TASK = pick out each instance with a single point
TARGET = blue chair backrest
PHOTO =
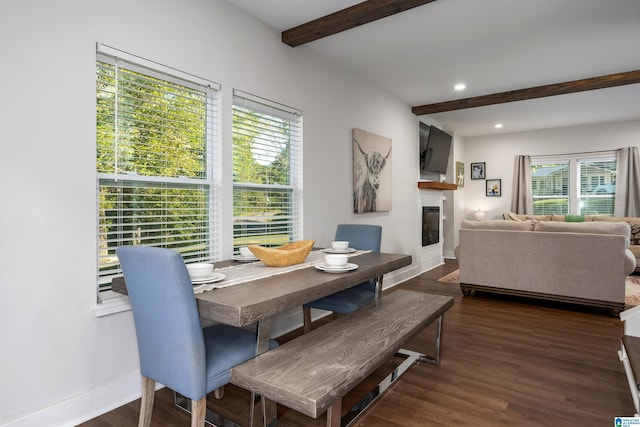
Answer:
(360, 236)
(168, 329)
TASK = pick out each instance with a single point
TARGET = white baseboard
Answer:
(85, 406)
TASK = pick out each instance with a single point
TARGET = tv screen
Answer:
(435, 146)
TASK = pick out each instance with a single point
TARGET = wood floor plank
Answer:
(505, 361)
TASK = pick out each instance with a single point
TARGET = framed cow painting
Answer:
(371, 172)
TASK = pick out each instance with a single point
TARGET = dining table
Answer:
(259, 300)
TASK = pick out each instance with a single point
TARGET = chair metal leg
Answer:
(306, 318)
(146, 402)
(198, 411)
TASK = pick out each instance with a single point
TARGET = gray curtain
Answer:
(521, 197)
(627, 202)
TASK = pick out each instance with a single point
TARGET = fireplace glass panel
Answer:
(430, 225)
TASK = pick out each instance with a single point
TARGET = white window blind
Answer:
(597, 188)
(267, 172)
(550, 187)
(578, 184)
(154, 160)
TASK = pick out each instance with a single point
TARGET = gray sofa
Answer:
(634, 223)
(583, 263)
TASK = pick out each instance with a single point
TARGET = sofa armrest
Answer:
(629, 262)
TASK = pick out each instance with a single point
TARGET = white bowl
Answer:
(245, 251)
(336, 260)
(199, 270)
(340, 245)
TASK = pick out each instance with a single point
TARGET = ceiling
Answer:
(491, 45)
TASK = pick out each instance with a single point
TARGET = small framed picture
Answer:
(460, 174)
(494, 188)
(477, 171)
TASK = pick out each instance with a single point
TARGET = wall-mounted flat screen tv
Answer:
(435, 146)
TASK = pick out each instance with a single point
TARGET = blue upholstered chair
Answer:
(363, 237)
(174, 349)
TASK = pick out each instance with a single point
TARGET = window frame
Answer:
(207, 181)
(272, 233)
(574, 161)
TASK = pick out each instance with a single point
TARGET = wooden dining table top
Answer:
(260, 299)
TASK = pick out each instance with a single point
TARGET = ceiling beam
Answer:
(602, 82)
(346, 19)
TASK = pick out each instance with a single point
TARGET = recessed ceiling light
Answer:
(498, 125)
(459, 86)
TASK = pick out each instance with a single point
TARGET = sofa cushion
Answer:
(497, 224)
(593, 227)
(633, 222)
(510, 216)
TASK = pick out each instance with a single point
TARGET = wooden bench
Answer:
(312, 373)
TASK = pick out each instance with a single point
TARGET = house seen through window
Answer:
(574, 185)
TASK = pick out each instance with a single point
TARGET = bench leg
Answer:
(436, 359)
(333, 414)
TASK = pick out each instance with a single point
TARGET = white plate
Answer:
(329, 269)
(213, 277)
(339, 251)
(242, 258)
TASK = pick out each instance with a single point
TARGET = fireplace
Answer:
(430, 225)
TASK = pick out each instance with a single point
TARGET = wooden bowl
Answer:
(289, 254)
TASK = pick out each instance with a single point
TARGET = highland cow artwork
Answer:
(371, 172)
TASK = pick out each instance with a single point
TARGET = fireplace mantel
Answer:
(436, 185)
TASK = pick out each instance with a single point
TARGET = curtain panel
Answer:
(627, 200)
(521, 197)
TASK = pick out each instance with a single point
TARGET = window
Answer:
(550, 185)
(154, 162)
(580, 184)
(597, 190)
(267, 172)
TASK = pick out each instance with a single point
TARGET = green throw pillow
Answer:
(574, 218)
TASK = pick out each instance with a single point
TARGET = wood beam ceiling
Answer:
(372, 10)
(602, 82)
(346, 19)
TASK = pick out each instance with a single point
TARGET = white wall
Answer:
(499, 151)
(60, 364)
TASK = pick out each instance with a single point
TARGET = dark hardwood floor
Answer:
(505, 362)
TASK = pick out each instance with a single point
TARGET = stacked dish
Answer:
(336, 263)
